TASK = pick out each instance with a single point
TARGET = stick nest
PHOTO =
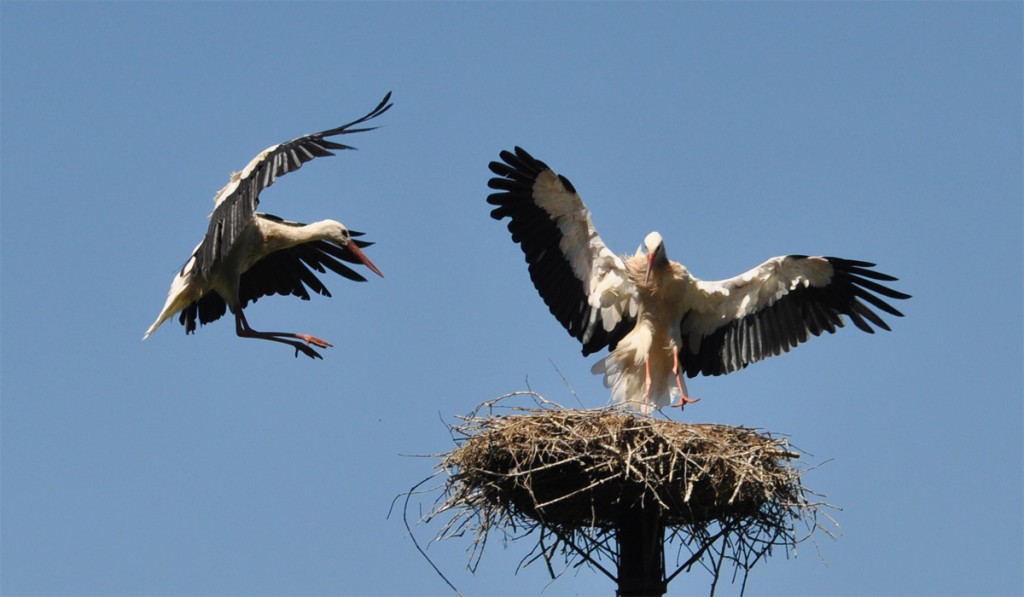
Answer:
(581, 467)
(574, 473)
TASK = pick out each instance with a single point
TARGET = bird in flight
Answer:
(657, 320)
(247, 255)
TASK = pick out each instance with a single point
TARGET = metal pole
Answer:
(640, 536)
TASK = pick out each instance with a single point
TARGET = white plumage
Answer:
(247, 255)
(658, 320)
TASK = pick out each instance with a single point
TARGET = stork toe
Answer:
(683, 401)
(314, 340)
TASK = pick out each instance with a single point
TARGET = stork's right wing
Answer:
(291, 271)
(777, 306)
(583, 283)
(235, 204)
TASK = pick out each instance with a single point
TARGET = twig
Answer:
(726, 493)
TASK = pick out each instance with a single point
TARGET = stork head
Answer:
(337, 233)
(656, 257)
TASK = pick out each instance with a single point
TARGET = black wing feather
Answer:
(234, 212)
(791, 320)
(290, 272)
(285, 272)
(210, 307)
(538, 235)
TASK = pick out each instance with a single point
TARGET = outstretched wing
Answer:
(236, 203)
(286, 272)
(778, 305)
(583, 283)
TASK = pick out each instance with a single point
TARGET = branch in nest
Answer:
(724, 493)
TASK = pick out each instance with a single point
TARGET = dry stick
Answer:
(405, 520)
(584, 553)
(661, 459)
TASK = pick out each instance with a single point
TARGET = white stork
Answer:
(656, 318)
(247, 255)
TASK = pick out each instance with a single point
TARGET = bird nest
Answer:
(582, 468)
(576, 475)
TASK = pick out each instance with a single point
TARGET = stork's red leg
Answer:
(683, 398)
(647, 387)
(243, 330)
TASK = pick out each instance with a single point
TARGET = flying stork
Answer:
(656, 318)
(247, 255)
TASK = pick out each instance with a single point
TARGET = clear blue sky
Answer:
(211, 465)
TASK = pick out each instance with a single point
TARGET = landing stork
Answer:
(247, 255)
(657, 319)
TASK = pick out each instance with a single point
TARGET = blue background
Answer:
(207, 464)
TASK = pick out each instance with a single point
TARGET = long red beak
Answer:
(650, 266)
(362, 257)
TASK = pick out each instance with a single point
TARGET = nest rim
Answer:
(592, 467)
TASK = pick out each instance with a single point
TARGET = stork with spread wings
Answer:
(657, 319)
(247, 255)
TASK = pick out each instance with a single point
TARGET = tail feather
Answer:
(624, 372)
(182, 293)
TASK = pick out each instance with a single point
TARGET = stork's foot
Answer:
(244, 331)
(683, 401)
(313, 340)
(306, 348)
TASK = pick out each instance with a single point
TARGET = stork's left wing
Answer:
(583, 283)
(776, 306)
(236, 203)
(289, 271)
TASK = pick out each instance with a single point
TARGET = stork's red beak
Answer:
(362, 257)
(650, 267)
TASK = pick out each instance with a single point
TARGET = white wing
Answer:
(581, 280)
(776, 306)
(235, 204)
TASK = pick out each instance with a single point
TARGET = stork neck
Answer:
(280, 235)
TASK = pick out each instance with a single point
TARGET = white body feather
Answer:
(648, 309)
